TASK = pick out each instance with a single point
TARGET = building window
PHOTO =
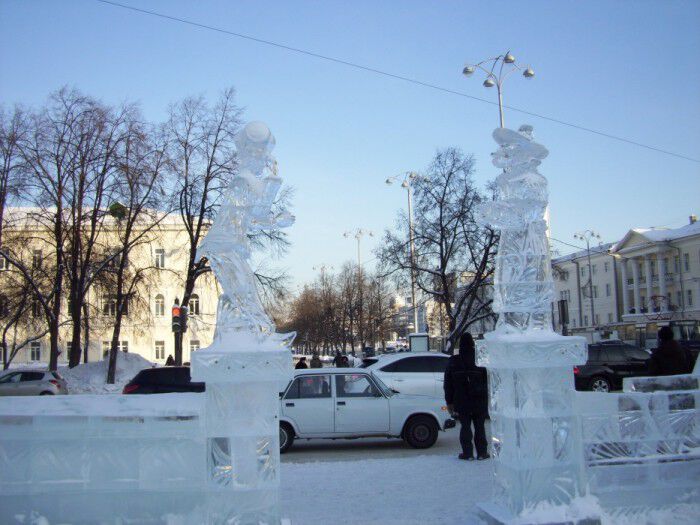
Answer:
(193, 304)
(35, 351)
(676, 264)
(37, 258)
(686, 262)
(123, 346)
(606, 266)
(573, 323)
(583, 270)
(679, 298)
(106, 345)
(597, 319)
(607, 290)
(565, 295)
(593, 269)
(610, 318)
(36, 308)
(4, 265)
(194, 345)
(4, 307)
(653, 268)
(585, 320)
(69, 349)
(689, 297)
(109, 306)
(160, 349)
(160, 305)
(595, 292)
(160, 258)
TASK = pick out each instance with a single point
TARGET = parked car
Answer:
(163, 380)
(352, 403)
(32, 383)
(420, 373)
(609, 362)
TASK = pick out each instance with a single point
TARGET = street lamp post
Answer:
(587, 235)
(409, 178)
(493, 79)
(358, 234)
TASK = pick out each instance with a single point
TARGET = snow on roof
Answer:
(603, 248)
(654, 235)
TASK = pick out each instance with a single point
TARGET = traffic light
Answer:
(184, 311)
(177, 319)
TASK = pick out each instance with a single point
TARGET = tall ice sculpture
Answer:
(247, 362)
(535, 436)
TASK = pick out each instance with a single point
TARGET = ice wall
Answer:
(535, 432)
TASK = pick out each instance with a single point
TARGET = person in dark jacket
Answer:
(170, 361)
(316, 361)
(669, 358)
(466, 395)
(301, 364)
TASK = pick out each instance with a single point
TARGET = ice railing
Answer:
(642, 446)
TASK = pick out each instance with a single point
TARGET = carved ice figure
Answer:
(247, 364)
(535, 433)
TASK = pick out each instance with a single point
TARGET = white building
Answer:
(649, 279)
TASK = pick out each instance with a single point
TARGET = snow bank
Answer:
(89, 378)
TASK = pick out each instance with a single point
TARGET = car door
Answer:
(308, 403)
(9, 383)
(411, 375)
(439, 366)
(637, 361)
(361, 408)
(614, 358)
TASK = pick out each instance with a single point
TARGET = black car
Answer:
(609, 362)
(163, 380)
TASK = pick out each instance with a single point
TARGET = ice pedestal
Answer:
(241, 430)
(535, 435)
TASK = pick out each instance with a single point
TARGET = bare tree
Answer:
(454, 256)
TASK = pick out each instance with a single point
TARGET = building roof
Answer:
(595, 250)
(657, 235)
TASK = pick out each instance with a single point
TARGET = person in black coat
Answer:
(466, 395)
(669, 358)
(301, 364)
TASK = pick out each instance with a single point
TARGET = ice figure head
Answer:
(523, 289)
(254, 143)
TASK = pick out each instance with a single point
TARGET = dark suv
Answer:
(609, 362)
(162, 381)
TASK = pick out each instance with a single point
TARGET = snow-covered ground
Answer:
(90, 378)
(422, 489)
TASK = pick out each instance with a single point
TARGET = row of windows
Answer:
(122, 346)
(38, 259)
(159, 305)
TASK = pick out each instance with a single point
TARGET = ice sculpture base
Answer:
(493, 514)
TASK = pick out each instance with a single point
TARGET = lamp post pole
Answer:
(489, 67)
(587, 235)
(358, 234)
(408, 179)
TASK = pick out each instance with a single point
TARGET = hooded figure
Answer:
(669, 358)
(466, 395)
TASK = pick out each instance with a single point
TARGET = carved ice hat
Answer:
(521, 138)
(255, 139)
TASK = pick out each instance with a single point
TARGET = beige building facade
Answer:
(649, 279)
(160, 260)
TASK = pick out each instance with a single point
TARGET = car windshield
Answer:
(385, 389)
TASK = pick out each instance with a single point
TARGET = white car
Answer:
(351, 403)
(418, 373)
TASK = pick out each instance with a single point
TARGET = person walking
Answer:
(466, 396)
(669, 358)
(301, 364)
(315, 361)
(338, 359)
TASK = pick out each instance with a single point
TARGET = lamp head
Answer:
(404, 184)
(529, 72)
(468, 70)
(509, 59)
(389, 181)
(489, 83)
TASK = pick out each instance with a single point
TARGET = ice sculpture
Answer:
(535, 434)
(247, 362)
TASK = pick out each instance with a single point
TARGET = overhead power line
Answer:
(394, 76)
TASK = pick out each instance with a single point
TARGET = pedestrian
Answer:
(315, 361)
(466, 396)
(338, 359)
(301, 365)
(345, 362)
(669, 358)
(170, 361)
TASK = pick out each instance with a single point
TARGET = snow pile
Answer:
(90, 378)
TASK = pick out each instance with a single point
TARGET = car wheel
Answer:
(46, 394)
(599, 384)
(421, 432)
(286, 437)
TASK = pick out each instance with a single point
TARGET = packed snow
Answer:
(91, 378)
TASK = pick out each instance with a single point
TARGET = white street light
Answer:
(497, 79)
(587, 235)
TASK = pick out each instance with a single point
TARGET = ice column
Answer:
(535, 436)
(247, 362)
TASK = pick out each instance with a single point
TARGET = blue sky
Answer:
(627, 68)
